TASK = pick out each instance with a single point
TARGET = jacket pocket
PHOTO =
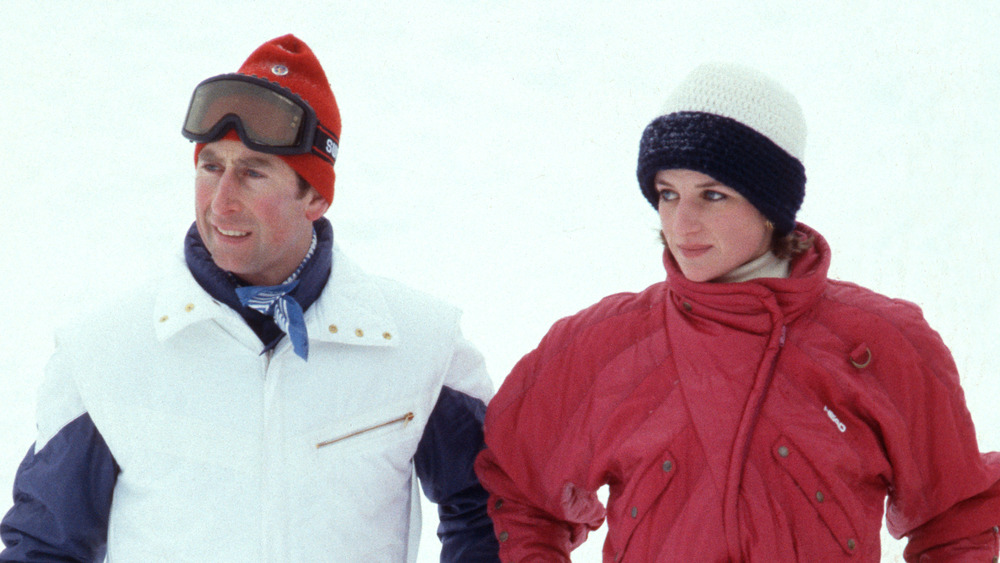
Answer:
(640, 494)
(384, 428)
(373, 428)
(817, 491)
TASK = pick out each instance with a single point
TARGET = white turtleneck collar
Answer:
(767, 265)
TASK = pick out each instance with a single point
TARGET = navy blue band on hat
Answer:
(731, 153)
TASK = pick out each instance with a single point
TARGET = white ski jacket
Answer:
(228, 454)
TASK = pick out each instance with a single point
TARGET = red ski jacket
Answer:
(759, 421)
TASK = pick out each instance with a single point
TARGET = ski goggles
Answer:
(268, 117)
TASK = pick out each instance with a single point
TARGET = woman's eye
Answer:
(667, 195)
(254, 174)
(712, 195)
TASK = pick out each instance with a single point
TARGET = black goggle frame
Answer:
(283, 105)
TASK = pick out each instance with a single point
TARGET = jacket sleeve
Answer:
(944, 495)
(62, 498)
(536, 466)
(445, 456)
(63, 488)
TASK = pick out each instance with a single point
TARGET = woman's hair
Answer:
(790, 245)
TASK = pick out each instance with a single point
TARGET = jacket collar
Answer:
(350, 310)
(222, 285)
(753, 305)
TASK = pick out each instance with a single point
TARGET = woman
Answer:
(748, 408)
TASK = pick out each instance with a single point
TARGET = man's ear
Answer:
(317, 205)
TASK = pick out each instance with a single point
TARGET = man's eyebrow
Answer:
(207, 153)
(255, 162)
(249, 161)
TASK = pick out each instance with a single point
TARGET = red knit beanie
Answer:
(291, 63)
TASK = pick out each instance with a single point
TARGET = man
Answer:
(270, 401)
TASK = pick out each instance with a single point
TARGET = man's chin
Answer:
(228, 264)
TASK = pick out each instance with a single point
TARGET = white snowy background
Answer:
(488, 155)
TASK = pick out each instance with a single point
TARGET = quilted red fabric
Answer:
(760, 421)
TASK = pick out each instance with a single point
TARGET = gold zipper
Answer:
(405, 419)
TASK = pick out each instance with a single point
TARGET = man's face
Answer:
(251, 214)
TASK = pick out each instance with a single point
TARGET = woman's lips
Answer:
(693, 250)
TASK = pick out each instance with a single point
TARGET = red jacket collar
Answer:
(754, 305)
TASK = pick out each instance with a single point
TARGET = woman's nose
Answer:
(687, 217)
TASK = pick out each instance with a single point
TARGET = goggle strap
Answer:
(325, 144)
